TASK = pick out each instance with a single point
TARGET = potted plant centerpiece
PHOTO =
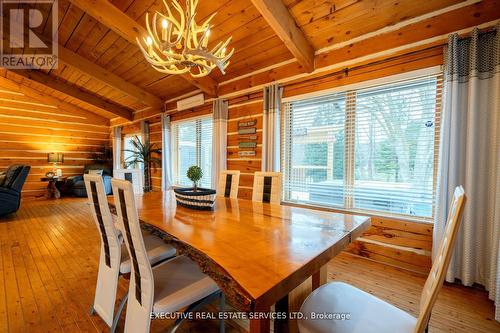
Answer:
(195, 197)
(194, 174)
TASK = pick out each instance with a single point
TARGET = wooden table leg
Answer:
(260, 325)
(319, 278)
(281, 325)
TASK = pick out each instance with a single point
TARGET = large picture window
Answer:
(370, 149)
(192, 145)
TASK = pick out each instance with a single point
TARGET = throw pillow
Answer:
(95, 172)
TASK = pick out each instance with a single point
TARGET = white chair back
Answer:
(141, 288)
(441, 262)
(110, 258)
(229, 180)
(267, 187)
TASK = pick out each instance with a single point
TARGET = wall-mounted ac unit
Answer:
(191, 102)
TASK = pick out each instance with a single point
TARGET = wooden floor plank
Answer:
(48, 269)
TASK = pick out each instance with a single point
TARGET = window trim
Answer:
(349, 149)
(435, 70)
(174, 145)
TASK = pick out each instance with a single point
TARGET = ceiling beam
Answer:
(112, 17)
(82, 64)
(75, 92)
(281, 21)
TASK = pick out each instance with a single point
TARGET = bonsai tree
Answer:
(194, 173)
(146, 153)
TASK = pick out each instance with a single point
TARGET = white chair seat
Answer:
(179, 282)
(156, 248)
(368, 314)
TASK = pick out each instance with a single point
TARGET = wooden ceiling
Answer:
(102, 70)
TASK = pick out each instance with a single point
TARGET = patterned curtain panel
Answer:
(470, 156)
(166, 155)
(271, 128)
(219, 139)
(117, 148)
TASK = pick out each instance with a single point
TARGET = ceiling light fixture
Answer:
(181, 45)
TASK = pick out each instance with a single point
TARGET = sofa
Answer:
(76, 186)
(11, 185)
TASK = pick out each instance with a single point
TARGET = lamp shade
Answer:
(55, 158)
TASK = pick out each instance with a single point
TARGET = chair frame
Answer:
(110, 257)
(222, 189)
(141, 294)
(274, 196)
(442, 260)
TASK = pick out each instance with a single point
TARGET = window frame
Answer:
(175, 147)
(127, 137)
(350, 92)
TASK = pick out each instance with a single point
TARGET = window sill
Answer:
(403, 218)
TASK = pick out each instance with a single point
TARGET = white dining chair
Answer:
(229, 181)
(367, 313)
(114, 260)
(267, 187)
(165, 288)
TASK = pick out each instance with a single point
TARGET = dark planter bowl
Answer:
(202, 199)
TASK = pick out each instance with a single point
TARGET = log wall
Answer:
(30, 128)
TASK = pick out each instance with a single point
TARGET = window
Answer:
(371, 149)
(192, 145)
(128, 147)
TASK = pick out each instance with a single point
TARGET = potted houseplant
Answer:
(146, 153)
(195, 197)
(194, 173)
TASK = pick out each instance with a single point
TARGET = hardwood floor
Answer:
(48, 267)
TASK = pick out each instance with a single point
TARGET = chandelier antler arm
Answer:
(166, 70)
(180, 26)
(155, 36)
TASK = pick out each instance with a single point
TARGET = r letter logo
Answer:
(29, 34)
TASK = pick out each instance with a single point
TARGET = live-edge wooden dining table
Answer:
(259, 254)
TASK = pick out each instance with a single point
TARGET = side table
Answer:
(52, 186)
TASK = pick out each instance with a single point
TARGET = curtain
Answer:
(145, 132)
(117, 148)
(470, 156)
(271, 128)
(166, 155)
(219, 139)
(148, 184)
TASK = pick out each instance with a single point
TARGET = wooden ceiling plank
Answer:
(75, 92)
(279, 18)
(112, 17)
(384, 44)
(90, 68)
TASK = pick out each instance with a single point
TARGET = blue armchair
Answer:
(11, 187)
(76, 186)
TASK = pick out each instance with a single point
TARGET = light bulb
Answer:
(164, 24)
(149, 41)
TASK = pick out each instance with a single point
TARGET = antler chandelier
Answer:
(181, 45)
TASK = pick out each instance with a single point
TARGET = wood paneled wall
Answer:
(30, 129)
(247, 165)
